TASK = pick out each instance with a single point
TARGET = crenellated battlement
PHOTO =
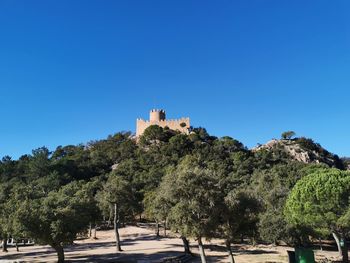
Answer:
(158, 117)
(156, 110)
(167, 121)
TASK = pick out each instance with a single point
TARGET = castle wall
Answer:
(142, 125)
(157, 115)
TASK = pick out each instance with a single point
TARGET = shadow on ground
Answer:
(239, 251)
(133, 253)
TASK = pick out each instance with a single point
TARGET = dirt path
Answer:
(140, 245)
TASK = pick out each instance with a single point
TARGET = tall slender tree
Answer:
(195, 202)
(118, 194)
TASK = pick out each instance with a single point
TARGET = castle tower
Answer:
(158, 117)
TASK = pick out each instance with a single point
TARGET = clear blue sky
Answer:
(74, 71)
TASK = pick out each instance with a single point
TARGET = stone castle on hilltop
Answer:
(157, 117)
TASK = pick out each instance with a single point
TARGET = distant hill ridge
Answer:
(304, 150)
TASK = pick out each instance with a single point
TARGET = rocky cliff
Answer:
(303, 150)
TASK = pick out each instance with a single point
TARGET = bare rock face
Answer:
(303, 150)
(346, 161)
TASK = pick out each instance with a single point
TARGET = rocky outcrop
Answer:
(346, 161)
(303, 150)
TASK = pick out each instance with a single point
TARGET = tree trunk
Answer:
(165, 228)
(95, 230)
(60, 253)
(229, 251)
(274, 242)
(201, 250)
(157, 229)
(253, 241)
(343, 250)
(186, 245)
(16, 243)
(116, 221)
(337, 241)
(90, 230)
(345, 253)
(4, 244)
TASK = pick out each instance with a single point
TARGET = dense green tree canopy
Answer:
(199, 185)
(56, 219)
(321, 200)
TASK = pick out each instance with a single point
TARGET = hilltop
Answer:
(303, 150)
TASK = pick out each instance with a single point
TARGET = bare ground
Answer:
(140, 245)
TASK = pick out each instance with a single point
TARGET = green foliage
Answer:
(195, 199)
(203, 186)
(308, 144)
(240, 215)
(155, 134)
(118, 191)
(39, 164)
(114, 149)
(272, 186)
(317, 152)
(321, 201)
(58, 218)
(156, 205)
(287, 135)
